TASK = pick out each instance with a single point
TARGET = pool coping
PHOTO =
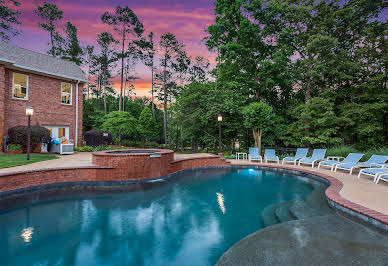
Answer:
(332, 193)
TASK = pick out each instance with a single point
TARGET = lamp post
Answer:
(29, 113)
(219, 118)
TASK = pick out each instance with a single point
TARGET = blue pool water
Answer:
(191, 219)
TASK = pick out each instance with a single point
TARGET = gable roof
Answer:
(29, 60)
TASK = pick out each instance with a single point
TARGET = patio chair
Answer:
(373, 171)
(351, 158)
(300, 154)
(269, 155)
(382, 176)
(374, 160)
(318, 154)
(254, 155)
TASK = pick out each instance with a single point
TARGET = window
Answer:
(20, 86)
(61, 132)
(66, 93)
(58, 131)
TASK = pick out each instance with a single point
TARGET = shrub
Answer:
(18, 135)
(85, 149)
(378, 151)
(14, 147)
(341, 151)
(96, 138)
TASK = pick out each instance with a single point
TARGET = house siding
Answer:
(44, 95)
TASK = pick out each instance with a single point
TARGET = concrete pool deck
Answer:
(362, 191)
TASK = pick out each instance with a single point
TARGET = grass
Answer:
(10, 160)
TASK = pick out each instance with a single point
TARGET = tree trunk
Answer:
(165, 103)
(308, 96)
(122, 71)
(104, 100)
(257, 136)
(182, 139)
(152, 89)
(52, 43)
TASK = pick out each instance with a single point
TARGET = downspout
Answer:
(76, 114)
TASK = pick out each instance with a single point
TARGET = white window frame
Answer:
(55, 131)
(71, 93)
(13, 86)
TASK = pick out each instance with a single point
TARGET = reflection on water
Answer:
(27, 234)
(184, 222)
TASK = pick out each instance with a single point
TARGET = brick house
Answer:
(52, 86)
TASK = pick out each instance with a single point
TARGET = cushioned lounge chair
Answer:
(254, 155)
(269, 155)
(374, 161)
(351, 158)
(300, 154)
(373, 171)
(318, 154)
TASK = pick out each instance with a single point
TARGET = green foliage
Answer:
(257, 115)
(72, 49)
(8, 19)
(120, 123)
(342, 151)
(50, 14)
(323, 124)
(84, 149)
(146, 125)
(18, 135)
(14, 147)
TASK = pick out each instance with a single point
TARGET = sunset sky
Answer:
(187, 19)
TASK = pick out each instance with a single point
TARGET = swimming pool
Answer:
(191, 218)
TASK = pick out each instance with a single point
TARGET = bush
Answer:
(18, 135)
(341, 151)
(85, 149)
(378, 151)
(14, 147)
(96, 138)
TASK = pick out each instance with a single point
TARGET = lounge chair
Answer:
(300, 154)
(269, 155)
(351, 158)
(318, 154)
(254, 155)
(373, 171)
(374, 160)
(382, 176)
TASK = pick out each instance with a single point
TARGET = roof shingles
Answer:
(30, 60)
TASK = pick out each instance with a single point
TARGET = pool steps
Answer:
(314, 205)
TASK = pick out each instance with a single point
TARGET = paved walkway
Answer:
(361, 191)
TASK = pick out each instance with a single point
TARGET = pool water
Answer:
(190, 219)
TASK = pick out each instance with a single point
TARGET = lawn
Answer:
(10, 160)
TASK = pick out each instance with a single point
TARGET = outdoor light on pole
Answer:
(29, 113)
(219, 118)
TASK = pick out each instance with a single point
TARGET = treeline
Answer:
(320, 65)
(318, 68)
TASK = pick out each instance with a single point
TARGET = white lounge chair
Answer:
(374, 161)
(254, 155)
(318, 154)
(269, 155)
(300, 154)
(351, 158)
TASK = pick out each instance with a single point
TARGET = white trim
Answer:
(13, 86)
(49, 73)
(76, 115)
(71, 93)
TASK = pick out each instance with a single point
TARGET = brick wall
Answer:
(44, 95)
(108, 167)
